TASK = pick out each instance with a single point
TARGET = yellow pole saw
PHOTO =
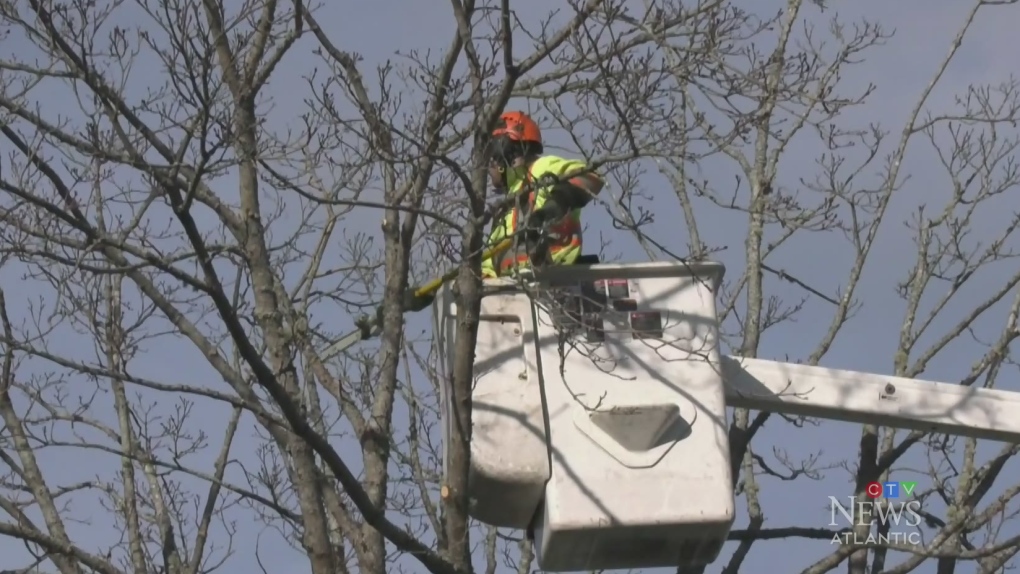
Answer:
(369, 327)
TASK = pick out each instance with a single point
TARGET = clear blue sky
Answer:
(900, 70)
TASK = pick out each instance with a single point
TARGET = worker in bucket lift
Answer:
(546, 192)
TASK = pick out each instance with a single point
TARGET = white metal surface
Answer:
(509, 447)
(868, 398)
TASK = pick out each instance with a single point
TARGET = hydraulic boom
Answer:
(868, 398)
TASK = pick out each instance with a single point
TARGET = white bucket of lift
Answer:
(610, 431)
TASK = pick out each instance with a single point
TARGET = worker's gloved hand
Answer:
(547, 180)
(536, 232)
(415, 303)
(540, 220)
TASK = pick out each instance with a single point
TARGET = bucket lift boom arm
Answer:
(868, 398)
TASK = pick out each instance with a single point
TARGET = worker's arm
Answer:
(565, 185)
(575, 187)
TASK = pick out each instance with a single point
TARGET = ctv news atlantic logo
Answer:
(889, 489)
(887, 503)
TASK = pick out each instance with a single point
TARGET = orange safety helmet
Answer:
(519, 128)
